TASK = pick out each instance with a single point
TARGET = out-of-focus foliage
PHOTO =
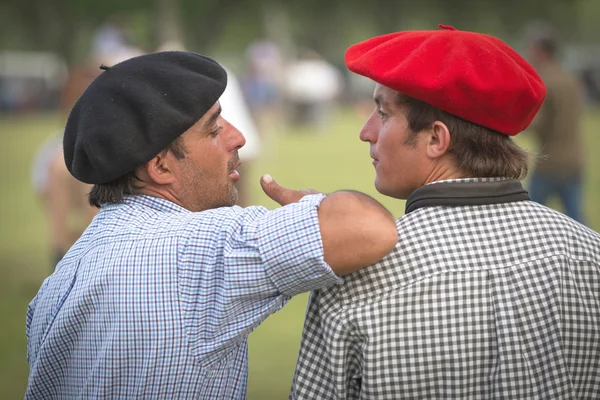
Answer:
(65, 26)
(62, 26)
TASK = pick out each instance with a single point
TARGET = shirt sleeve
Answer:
(239, 265)
(31, 354)
(330, 360)
(291, 248)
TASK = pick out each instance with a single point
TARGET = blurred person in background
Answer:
(557, 127)
(261, 84)
(591, 80)
(157, 298)
(487, 294)
(112, 41)
(63, 198)
(310, 86)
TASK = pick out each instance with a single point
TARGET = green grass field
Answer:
(326, 159)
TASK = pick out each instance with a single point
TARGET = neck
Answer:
(444, 170)
(161, 192)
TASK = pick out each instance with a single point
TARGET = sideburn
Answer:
(412, 139)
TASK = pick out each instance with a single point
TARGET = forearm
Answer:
(356, 231)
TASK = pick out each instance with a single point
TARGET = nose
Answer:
(236, 139)
(368, 133)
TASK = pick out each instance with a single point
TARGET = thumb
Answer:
(277, 192)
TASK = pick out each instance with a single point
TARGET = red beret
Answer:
(473, 76)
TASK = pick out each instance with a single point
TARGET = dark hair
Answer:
(548, 45)
(115, 190)
(478, 151)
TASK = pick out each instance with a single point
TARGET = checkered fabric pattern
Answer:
(156, 302)
(496, 301)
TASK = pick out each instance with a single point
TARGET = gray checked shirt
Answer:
(481, 301)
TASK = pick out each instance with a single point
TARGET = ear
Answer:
(438, 141)
(160, 169)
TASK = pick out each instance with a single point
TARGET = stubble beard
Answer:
(203, 191)
(233, 194)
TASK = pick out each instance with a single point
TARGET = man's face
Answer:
(207, 174)
(398, 164)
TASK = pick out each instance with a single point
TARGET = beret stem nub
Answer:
(447, 27)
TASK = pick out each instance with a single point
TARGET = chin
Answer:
(396, 193)
(234, 196)
(382, 189)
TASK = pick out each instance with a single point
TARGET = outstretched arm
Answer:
(356, 230)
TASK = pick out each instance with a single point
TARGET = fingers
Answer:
(277, 192)
(281, 194)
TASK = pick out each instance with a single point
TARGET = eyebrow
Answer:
(380, 102)
(213, 118)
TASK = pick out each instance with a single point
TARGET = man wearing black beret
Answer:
(158, 296)
(487, 295)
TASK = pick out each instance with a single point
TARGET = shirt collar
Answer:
(143, 200)
(470, 180)
(467, 191)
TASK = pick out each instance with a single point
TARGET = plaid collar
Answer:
(156, 203)
(459, 192)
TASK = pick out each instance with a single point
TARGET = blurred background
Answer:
(294, 98)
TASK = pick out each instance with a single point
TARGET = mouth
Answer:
(234, 174)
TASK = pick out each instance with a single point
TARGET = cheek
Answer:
(397, 160)
(389, 147)
(212, 157)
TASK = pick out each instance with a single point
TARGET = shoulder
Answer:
(451, 239)
(222, 219)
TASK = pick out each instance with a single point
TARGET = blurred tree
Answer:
(205, 21)
(167, 21)
(65, 26)
(57, 25)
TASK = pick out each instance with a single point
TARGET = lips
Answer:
(233, 173)
(373, 154)
(234, 163)
(375, 161)
(235, 167)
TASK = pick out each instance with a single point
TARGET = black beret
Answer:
(135, 109)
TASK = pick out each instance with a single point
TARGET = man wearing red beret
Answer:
(487, 294)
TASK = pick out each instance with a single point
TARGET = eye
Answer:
(217, 131)
(381, 113)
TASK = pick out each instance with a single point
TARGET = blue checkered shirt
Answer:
(155, 301)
